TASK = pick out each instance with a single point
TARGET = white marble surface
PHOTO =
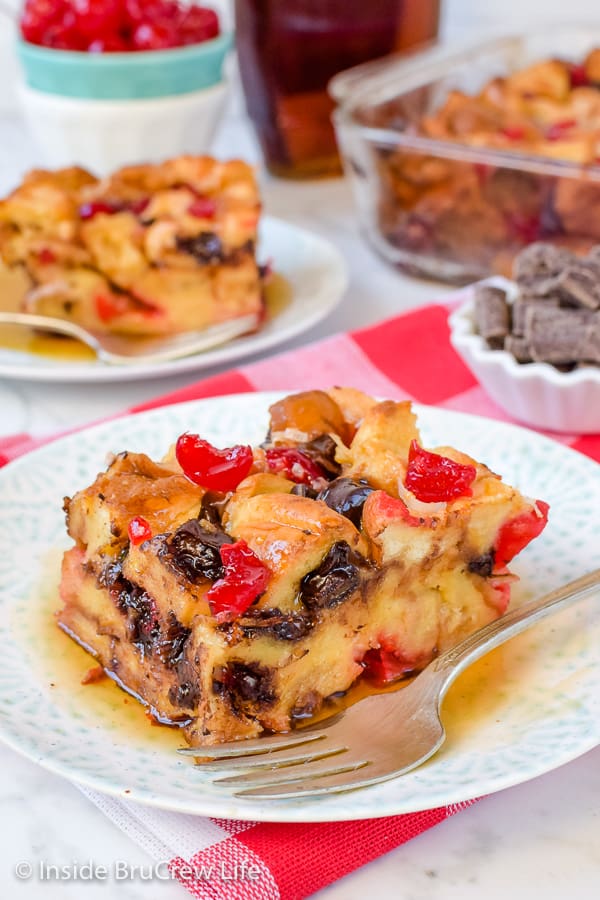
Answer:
(540, 840)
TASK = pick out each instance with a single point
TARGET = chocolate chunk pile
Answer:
(556, 316)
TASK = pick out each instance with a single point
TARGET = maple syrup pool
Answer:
(278, 296)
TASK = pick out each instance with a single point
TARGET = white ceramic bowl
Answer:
(535, 393)
(103, 135)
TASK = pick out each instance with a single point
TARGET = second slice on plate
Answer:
(154, 249)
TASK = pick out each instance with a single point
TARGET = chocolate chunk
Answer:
(206, 247)
(143, 626)
(557, 322)
(277, 624)
(540, 288)
(245, 683)
(519, 309)
(113, 570)
(170, 643)
(590, 346)
(334, 581)
(310, 703)
(347, 497)
(186, 693)
(303, 490)
(482, 565)
(322, 450)
(581, 285)
(491, 314)
(291, 628)
(556, 335)
(537, 267)
(519, 348)
(211, 509)
(194, 550)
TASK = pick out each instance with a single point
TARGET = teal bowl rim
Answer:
(130, 57)
(137, 74)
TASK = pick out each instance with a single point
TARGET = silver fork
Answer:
(119, 350)
(382, 736)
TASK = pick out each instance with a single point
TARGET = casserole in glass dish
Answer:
(458, 159)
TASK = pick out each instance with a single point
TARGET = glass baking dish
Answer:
(445, 210)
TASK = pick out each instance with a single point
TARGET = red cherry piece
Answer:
(89, 210)
(203, 208)
(433, 478)
(145, 307)
(113, 26)
(245, 580)
(394, 508)
(198, 24)
(137, 207)
(135, 12)
(64, 34)
(110, 44)
(38, 16)
(518, 532)
(139, 530)
(110, 306)
(293, 464)
(524, 228)
(154, 36)
(559, 130)
(579, 76)
(138, 11)
(482, 172)
(383, 666)
(513, 132)
(501, 589)
(100, 19)
(46, 256)
(263, 313)
(213, 469)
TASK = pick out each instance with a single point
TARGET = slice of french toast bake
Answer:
(234, 590)
(152, 249)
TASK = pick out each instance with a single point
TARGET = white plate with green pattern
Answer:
(525, 709)
(309, 281)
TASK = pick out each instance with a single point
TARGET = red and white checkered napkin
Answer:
(219, 859)
(407, 357)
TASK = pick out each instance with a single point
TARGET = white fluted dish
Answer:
(535, 393)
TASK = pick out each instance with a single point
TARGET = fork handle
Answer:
(450, 664)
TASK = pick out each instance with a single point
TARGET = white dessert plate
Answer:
(527, 708)
(308, 267)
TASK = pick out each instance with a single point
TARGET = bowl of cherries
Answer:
(111, 82)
